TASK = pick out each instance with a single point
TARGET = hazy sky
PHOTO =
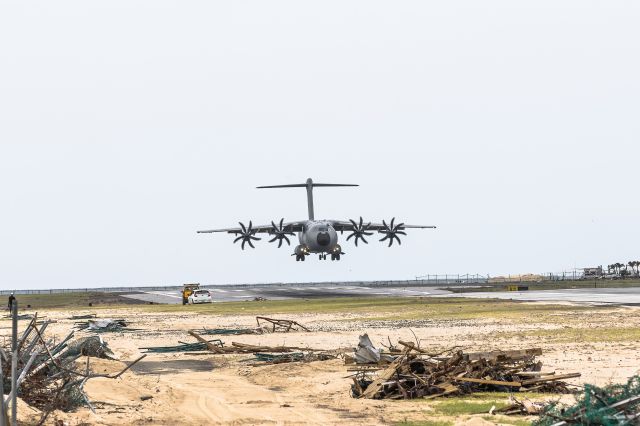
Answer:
(125, 126)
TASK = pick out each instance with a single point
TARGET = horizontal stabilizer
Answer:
(304, 185)
(309, 185)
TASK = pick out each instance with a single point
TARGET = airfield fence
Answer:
(425, 280)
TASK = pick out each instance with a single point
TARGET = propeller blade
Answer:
(280, 243)
(238, 239)
(287, 239)
(244, 230)
(251, 244)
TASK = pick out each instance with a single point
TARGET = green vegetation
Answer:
(579, 334)
(447, 410)
(456, 407)
(71, 300)
(388, 308)
(368, 308)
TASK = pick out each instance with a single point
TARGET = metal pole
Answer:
(14, 364)
(2, 412)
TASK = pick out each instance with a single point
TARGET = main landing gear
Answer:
(321, 256)
(334, 256)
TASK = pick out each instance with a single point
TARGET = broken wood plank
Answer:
(513, 354)
(551, 378)
(377, 384)
(210, 346)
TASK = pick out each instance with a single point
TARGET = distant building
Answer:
(593, 272)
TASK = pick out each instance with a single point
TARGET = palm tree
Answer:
(618, 267)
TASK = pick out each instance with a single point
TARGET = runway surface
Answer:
(621, 296)
(272, 292)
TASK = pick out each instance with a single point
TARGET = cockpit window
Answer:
(322, 229)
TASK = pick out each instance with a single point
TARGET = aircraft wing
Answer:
(341, 225)
(262, 229)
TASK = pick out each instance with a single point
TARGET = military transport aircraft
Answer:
(316, 236)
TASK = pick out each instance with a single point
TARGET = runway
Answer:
(274, 292)
(629, 296)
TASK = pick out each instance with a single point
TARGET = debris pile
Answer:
(265, 326)
(184, 347)
(261, 354)
(281, 358)
(617, 404)
(279, 325)
(244, 348)
(227, 331)
(48, 376)
(83, 316)
(524, 407)
(415, 373)
(366, 353)
(103, 325)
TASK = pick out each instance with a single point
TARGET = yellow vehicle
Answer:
(187, 290)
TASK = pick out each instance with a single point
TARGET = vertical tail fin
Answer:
(309, 185)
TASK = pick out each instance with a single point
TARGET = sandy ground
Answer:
(207, 389)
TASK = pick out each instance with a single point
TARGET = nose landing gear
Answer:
(300, 257)
(334, 256)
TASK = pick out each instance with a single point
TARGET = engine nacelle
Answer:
(301, 250)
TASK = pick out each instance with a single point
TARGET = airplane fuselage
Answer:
(318, 236)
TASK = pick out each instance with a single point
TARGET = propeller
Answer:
(246, 235)
(390, 232)
(359, 231)
(280, 233)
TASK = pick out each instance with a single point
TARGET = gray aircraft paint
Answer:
(316, 236)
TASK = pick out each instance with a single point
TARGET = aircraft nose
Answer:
(324, 239)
